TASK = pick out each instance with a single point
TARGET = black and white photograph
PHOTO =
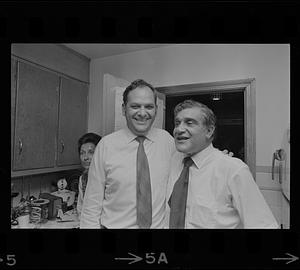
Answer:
(150, 136)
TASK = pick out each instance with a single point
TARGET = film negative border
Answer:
(170, 249)
(167, 249)
(144, 22)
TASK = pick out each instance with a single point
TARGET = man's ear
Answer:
(210, 132)
(123, 109)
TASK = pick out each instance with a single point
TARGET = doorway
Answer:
(229, 110)
(235, 111)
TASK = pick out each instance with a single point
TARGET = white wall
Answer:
(186, 64)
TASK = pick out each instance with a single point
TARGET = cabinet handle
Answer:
(280, 156)
(62, 146)
(20, 147)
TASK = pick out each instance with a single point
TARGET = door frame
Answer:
(247, 86)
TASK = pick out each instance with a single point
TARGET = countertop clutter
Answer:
(46, 212)
(67, 220)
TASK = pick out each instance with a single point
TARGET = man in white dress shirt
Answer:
(111, 192)
(221, 192)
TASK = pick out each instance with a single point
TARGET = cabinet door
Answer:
(72, 120)
(36, 118)
(13, 105)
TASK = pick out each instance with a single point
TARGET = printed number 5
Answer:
(150, 258)
(11, 260)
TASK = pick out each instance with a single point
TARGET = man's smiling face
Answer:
(191, 136)
(140, 110)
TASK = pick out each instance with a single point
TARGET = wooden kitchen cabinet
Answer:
(36, 118)
(72, 120)
(48, 115)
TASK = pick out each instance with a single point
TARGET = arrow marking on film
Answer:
(292, 258)
(133, 260)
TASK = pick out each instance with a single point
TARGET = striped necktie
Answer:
(143, 187)
(177, 201)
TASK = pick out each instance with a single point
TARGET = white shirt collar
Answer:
(200, 156)
(151, 135)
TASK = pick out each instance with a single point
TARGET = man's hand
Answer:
(227, 153)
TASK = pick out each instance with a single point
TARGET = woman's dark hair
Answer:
(136, 84)
(88, 138)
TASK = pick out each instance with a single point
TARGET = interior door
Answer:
(36, 118)
(159, 121)
(72, 120)
(113, 88)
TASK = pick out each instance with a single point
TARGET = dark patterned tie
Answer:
(177, 201)
(143, 187)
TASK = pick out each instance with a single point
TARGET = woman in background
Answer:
(86, 147)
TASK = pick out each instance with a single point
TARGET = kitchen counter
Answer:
(68, 221)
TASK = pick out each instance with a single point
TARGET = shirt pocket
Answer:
(202, 215)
